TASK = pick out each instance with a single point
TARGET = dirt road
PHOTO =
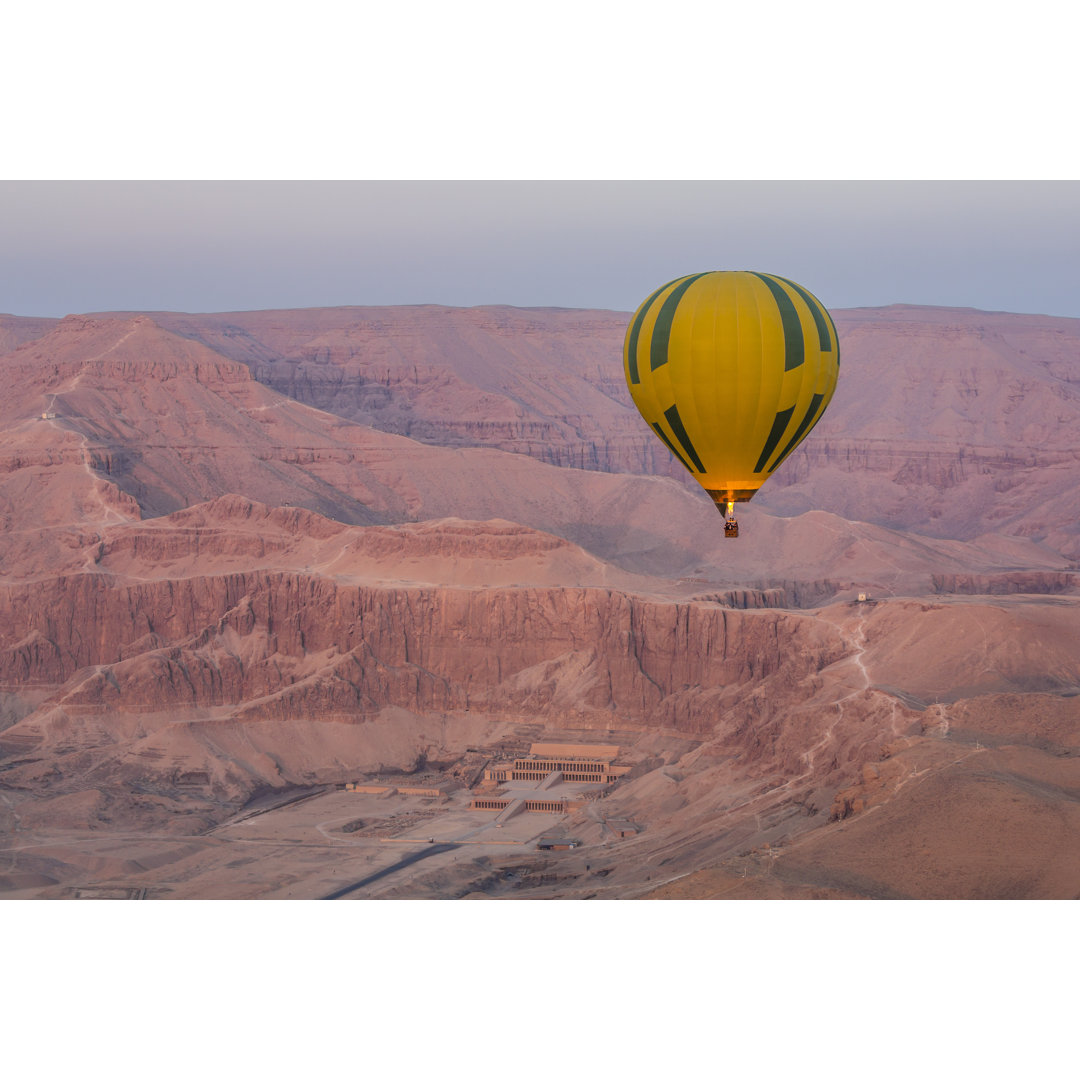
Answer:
(416, 856)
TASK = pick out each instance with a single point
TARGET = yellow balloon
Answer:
(731, 369)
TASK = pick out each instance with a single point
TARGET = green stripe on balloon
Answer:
(675, 420)
(671, 446)
(824, 341)
(794, 353)
(800, 431)
(635, 331)
(662, 330)
(780, 423)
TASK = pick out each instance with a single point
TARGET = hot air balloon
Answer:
(731, 369)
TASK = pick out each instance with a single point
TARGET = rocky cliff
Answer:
(276, 646)
(951, 421)
(248, 552)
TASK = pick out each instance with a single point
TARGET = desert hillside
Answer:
(248, 559)
(948, 421)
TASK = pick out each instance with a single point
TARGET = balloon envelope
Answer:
(731, 369)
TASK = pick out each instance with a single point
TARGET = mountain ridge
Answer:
(214, 592)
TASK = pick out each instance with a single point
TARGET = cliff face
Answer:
(210, 589)
(276, 646)
(163, 420)
(545, 382)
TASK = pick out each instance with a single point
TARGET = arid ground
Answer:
(248, 559)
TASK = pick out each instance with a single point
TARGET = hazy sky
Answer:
(245, 155)
(76, 246)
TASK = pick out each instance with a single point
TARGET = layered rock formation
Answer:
(247, 552)
(17, 329)
(949, 421)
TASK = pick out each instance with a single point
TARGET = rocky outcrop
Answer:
(780, 594)
(1046, 583)
(136, 348)
(16, 330)
(547, 382)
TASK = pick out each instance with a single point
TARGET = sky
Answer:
(238, 156)
(83, 245)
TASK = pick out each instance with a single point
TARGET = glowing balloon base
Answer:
(731, 526)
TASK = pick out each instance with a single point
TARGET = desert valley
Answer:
(282, 591)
